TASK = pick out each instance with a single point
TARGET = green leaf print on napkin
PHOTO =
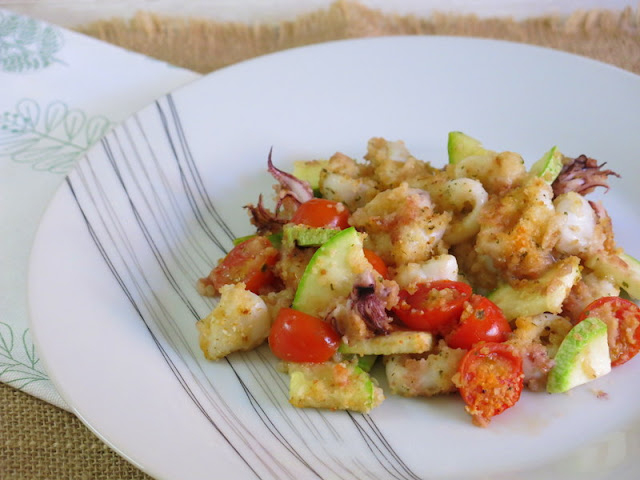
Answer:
(18, 359)
(49, 139)
(27, 45)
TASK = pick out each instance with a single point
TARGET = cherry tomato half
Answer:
(434, 307)
(481, 320)
(491, 379)
(248, 262)
(623, 319)
(298, 337)
(322, 213)
(377, 263)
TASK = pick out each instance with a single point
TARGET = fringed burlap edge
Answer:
(205, 45)
(39, 441)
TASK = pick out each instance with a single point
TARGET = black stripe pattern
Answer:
(158, 230)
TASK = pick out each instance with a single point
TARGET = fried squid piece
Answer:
(518, 231)
(364, 314)
(537, 339)
(290, 187)
(582, 175)
(239, 322)
(589, 288)
(402, 225)
(425, 374)
(290, 191)
(263, 219)
(536, 365)
(371, 307)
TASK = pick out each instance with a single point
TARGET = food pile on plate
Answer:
(481, 277)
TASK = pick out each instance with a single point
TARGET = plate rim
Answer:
(37, 341)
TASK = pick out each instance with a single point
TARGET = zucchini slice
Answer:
(392, 344)
(546, 294)
(549, 166)
(333, 385)
(460, 146)
(305, 236)
(331, 273)
(582, 357)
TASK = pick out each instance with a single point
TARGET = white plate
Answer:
(149, 210)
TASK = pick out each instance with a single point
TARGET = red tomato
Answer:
(481, 320)
(298, 337)
(434, 306)
(322, 213)
(491, 379)
(248, 262)
(376, 262)
(622, 318)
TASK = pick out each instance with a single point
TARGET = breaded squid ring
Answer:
(458, 195)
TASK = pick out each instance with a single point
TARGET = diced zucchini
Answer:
(239, 240)
(392, 344)
(305, 236)
(331, 273)
(621, 269)
(461, 146)
(366, 362)
(582, 357)
(546, 294)
(275, 239)
(549, 166)
(336, 386)
(309, 171)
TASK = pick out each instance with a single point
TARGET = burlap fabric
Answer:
(39, 441)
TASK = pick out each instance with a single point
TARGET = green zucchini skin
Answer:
(331, 273)
(334, 386)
